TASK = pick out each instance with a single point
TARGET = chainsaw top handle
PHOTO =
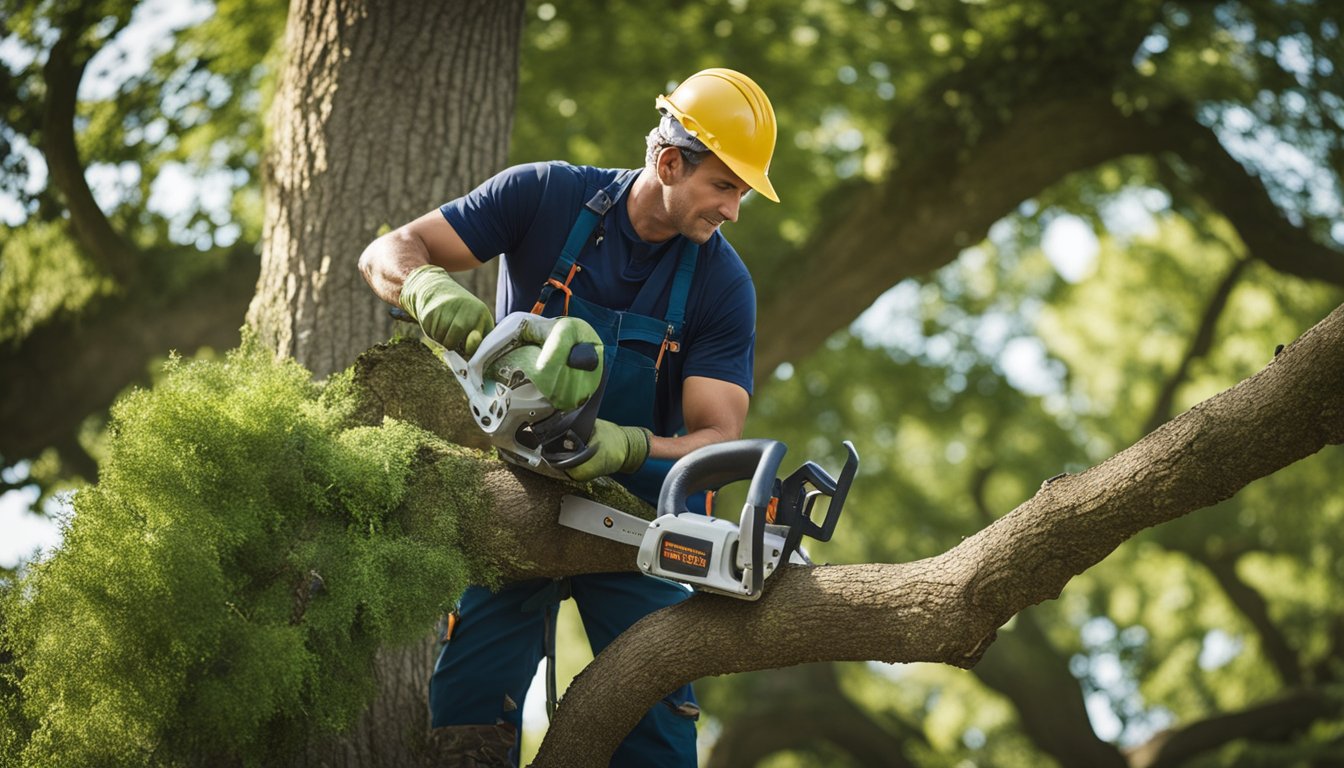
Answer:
(713, 466)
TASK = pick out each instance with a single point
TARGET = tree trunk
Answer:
(384, 111)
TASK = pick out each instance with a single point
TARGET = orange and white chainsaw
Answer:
(713, 554)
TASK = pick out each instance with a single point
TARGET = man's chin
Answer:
(701, 234)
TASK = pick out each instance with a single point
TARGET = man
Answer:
(639, 256)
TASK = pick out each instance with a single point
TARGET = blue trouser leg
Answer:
(609, 603)
(494, 652)
(497, 646)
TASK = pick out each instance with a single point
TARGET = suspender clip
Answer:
(668, 345)
(562, 287)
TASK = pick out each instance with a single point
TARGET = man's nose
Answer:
(729, 209)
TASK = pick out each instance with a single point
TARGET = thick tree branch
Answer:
(1242, 595)
(1277, 720)
(923, 214)
(519, 538)
(62, 73)
(946, 608)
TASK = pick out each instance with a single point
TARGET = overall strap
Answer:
(567, 265)
(681, 286)
(638, 325)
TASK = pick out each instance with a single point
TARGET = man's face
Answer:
(700, 198)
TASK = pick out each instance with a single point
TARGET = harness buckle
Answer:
(562, 287)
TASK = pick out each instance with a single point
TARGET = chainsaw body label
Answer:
(686, 555)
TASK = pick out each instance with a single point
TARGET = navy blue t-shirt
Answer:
(525, 213)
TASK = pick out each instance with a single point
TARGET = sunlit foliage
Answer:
(222, 590)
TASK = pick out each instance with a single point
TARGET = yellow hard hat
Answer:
(730, 113)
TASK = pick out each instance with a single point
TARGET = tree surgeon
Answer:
(638, 255)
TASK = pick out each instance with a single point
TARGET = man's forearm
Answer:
(676, 447)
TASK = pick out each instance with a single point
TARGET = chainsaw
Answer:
(520, 422)
(713, 554)
(709, 553)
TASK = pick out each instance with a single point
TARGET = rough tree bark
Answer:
(384, 110)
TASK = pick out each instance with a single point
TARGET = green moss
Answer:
(223, 589)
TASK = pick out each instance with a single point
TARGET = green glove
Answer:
(619, 449)
(563, 385)
(447, 312)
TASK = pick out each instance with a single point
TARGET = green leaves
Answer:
(223, 588)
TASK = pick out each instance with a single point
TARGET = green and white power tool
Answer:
(507, 404)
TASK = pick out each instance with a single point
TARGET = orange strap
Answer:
(709, 503)
(772, 510)
(563, 288)
(668, 345)
(452, 624)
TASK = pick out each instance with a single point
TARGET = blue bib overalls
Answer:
(499, 639)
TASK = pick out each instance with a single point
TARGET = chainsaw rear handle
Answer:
(796, 501)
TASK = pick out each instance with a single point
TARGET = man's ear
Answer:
(669, 164)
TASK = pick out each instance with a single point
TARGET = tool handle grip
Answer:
(584, 357)
(714, 466)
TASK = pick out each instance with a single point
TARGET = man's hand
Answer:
(619, 449)
(566, 382)
(447, 312)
